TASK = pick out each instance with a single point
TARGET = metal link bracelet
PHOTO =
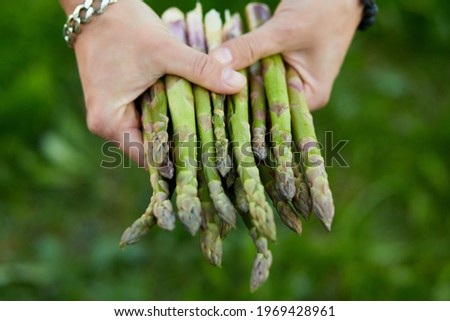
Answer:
(82, 15)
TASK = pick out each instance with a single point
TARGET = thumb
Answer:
(245, 50)
(203, 70)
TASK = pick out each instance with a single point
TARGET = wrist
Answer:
(69, 5)
(82, 15)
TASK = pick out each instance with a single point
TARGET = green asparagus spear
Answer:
(287, 215)
(312, 160)
(181, 107)
(259, 111)
(221, 201)
(156, 129)
(213, 28)
(162, 208)
(210, 240)
(263, 258)
(277, 95)
(260, 211)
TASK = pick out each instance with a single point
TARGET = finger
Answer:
(203, 70)
(243, 51)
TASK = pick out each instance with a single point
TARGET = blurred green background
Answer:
(61, 215)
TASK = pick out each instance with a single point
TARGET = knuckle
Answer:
(246, 48)
(200, 66)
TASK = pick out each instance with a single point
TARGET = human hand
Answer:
(312, 35)
(120, 54)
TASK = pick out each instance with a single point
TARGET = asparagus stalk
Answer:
(162, 208)
(302, 200)
(259, 111)
(259, 209)
(156, 131)
(181, 107)
(210, 240)
(213, 28)
(221, 201)
(262, 262)
(312, 160)
(277, 95)
(287, 215)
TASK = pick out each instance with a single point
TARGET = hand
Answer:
(313, 35)
(120, 54)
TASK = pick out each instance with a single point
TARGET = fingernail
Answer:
(223, 55)
(233, 78)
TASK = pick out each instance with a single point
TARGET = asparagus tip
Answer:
(190, 216)
(292, 222)
(164, 213)
(285, 185)
(262, 263)
(324, 209)
(260, 272)
(211, 245)
(132, 235)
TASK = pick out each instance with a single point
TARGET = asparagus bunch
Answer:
(277, 95)
(260, 211)
(221, 201)
(306, 141)
(202, 201)
(213, 28)
(181, 106)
